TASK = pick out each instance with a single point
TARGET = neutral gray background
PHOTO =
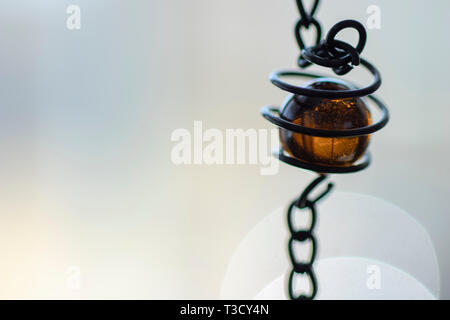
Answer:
(86, 118)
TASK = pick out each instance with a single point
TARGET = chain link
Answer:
(306, 20)
(307, 16)
(303, 236)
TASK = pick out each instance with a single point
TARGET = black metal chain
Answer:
(331, 53)
(303, 236)
(306, 20)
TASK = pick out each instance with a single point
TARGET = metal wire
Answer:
(275, 78)
(302, 236)
(361, 164)
(332, 53)
(272, 114)
(306, 20)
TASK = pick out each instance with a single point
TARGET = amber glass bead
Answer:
(321, 113)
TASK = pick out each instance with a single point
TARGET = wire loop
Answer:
(306, 24)
(332, 53)
(338, 27)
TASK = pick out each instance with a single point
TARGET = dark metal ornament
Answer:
(341, 57)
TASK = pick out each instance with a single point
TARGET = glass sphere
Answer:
(322, 113)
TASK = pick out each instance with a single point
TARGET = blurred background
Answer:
(86, 116)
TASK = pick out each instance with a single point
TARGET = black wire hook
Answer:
(303, 201)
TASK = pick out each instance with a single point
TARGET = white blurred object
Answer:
(349, 278)
(349, 224)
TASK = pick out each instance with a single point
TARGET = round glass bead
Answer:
(323, 113)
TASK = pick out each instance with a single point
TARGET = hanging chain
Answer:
(306, 20)
(303, 236)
